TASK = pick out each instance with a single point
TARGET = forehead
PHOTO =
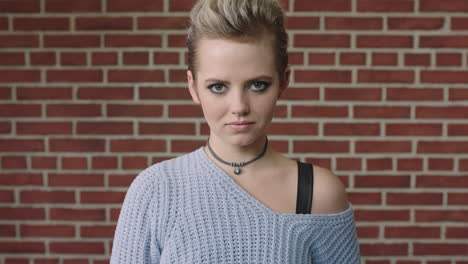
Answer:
(235, 57)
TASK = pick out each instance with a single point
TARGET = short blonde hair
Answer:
(236, 19)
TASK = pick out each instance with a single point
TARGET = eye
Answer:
(259, 86)
(216, 87)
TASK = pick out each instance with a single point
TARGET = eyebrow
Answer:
(261, 77)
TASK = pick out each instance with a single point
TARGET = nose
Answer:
(239, 103)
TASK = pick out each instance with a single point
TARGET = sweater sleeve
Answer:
(136, 234)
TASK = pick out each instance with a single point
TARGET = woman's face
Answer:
(236, 81)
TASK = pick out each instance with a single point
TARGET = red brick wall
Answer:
(93, 91)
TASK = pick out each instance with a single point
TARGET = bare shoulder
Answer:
(329, 193)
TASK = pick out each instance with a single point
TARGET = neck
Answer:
(230, 152)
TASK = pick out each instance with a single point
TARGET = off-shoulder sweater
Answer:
(188, 210)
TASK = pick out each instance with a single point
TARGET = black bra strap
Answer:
(305, 188)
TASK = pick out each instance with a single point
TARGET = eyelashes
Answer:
(256, 86)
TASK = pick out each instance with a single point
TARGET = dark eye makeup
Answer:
(256, 86)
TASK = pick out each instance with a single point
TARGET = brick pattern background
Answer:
(93, 91)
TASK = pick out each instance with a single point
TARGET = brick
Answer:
(381, 112)
(457, 232)
(133, 40)
(441, 181)
(13, 76)
(353, 94)
(442, 112)
(443, 147)
(5, 94)
(163, 22)
(102, 128)
(13, 162)
(457, 129)
(96, 197)
(412, 232)
(73, 58)
(21, 179)
(136, 76)
(67, 214)
(44, 93)
(444, 76)
(44, 162)
(4, 23)
(384, 41)
(321, 58)
(328, 76)
(105, 93)
(5, 127)
(185, 111)
(300, 94)
(331, 5)
(415, 94)
(22, 213)
(186, 145)
(181, 5)
(136, 58)
(44, 128)
(22, 247)
(415, 23)
(77, 145)
(458, 94)
(104, 58)
(12, 58)
(41, 23)
(320, 146)
(177, 41)
(38, 196)
(103, 23)
(28, 230)
(73, 110)
(353, 23)
(385, 6)
(443, 6)
(19, 41)
(403, 129)
(104, 163)
(444, 41)
(381, 215)
(441, 215)
(440, 164)
(459, 23)
(382, 181)
(448, 59)
(74, 180)
(415, 59)
(352, 58)
(457, 199)
(351, 129)
(322, 40)
(42, 58)
(6, 197)
(72, 41)
(302, 22)
(166, 128)
(71, 6)
(385, 76)
(166, 58)
(368, 232)
(74, 163)
(177, 76)
(20, 6)
(74, 76)
(21, 145)
(410, 199)
(285, 128)
(132, 163)
(328, 111)
(123, 110)
(137, 145)
(376, 146)
(7, 230)
(16, 261)
(165, 93)
(384, 58)
(63, 247)
(365, 198)
(440, 249)
(97, 231)
(134, 6)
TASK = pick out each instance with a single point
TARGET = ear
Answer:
(192, 87)
(285, 83)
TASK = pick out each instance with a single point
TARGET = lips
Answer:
(239, 123)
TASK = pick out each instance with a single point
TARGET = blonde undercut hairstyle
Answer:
(233, 19)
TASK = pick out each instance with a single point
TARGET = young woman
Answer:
(236, 200)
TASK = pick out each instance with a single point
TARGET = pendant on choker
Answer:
(237, 167)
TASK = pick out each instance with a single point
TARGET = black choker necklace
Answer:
(237, 165)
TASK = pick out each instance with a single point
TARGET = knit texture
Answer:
(188, 210)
